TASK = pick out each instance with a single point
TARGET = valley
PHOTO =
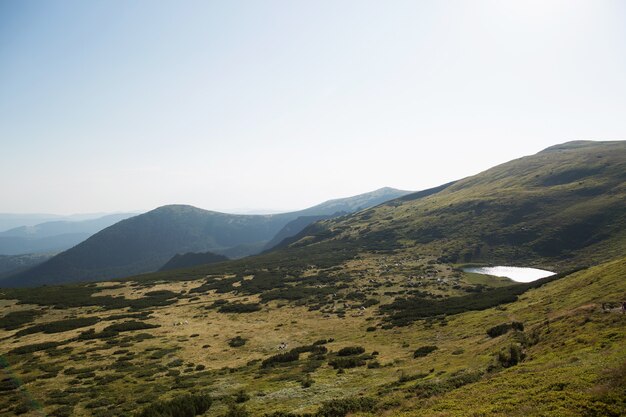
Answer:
(366, 314)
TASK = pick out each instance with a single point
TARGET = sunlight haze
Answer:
(279, 105)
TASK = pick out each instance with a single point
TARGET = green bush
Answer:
(240, 308)
(510, 356)
(15, 319)
(184, 406)
(241, 397)
(424, 351)
(404, 311)
(351, 350)
(290, 356)
(59, 326)
(128, 326)
(341, 407)
(504, 328)
(348, 362)
(36, 347)
(237, 341)
(237, 411)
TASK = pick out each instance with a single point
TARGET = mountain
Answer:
(12, 220)
(11, 264)
(54, 236)
(566, 204)
(145, 242)
(332, 209)
(353, 204)
(368, 314)
(296, 226)
(189, 259)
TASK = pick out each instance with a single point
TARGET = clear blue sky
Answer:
(128, 105)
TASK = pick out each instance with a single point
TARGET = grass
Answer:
(573, 345)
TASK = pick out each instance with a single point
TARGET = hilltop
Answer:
(564, 205)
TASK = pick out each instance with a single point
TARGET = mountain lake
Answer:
(516, 274)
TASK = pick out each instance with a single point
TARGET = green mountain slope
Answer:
(564, 205)
(296, 226)
(563, 356)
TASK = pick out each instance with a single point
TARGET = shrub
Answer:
(239, 308)
(21, 408)
(59, 326)
(9, 384)
(498, 330)
(290, 356)
(510, 356)
(241, 396)
(347, 362)
(34, 347)
(237, 341)
(128, 326)
(237, 411)
(404, 311)
(424, 351)
(184, 406)
(351, 350)
(307, 381)
(341, 407)
(15, 319)
(503, 328)
(91, 334)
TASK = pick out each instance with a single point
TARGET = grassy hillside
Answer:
(296, 226)
(562, 206)
(116, 348)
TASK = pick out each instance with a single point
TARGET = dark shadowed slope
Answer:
(189, 259)
(332, 209)
(296, 226)
(145, 242)
(11, 264)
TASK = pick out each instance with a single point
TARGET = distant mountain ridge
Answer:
(12, 220)
(146, 242)
(53, 236)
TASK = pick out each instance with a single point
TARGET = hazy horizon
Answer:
(127, 106)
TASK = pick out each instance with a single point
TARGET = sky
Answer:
(279, 105)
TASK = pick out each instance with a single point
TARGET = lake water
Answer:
(515, 273)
